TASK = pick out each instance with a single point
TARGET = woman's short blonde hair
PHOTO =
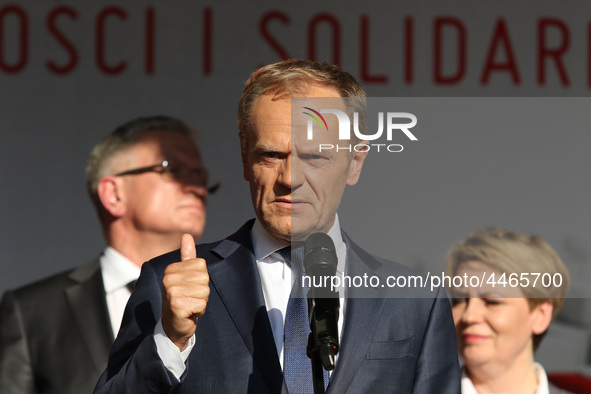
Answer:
(513, 252)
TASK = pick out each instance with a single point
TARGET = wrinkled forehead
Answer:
(318, 119)
(315, 107)
(283, 98)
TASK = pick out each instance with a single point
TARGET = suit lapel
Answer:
(86, 298)
(238, 284)
(358, 313)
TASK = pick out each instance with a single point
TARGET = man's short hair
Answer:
(101, 158)
(289, 78)
(515, 253)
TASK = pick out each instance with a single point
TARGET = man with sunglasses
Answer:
(148, 184)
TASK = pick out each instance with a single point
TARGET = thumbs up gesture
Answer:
(184, 294)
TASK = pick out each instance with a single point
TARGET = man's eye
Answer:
(456, 301)
(174, 170)
(491, 301)
(312, 157)
(271, 155)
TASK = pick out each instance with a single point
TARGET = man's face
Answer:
(156, 204)
(295, 189)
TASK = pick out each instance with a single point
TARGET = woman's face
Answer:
(494, 325)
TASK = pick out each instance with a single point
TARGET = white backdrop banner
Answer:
(71, 72)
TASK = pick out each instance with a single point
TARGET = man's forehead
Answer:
(289, 109)
(279, 118)
(168, 145)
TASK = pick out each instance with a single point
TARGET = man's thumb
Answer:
(188, 250)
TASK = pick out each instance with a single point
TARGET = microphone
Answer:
(320, 263)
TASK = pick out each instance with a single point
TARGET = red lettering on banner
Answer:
(23, 33)
(100, 41)
(207, 41)
(408, 49)
(23, 41)
(365, 55)
(440, 24)
(336, 37)
(501, 39)
(150, 41)
(553, 53)
(264, 30)
(63, 40)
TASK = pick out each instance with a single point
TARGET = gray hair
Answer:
(294, 76)
(125, 136)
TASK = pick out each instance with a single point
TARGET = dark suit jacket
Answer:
(388, 345)
(55, 334)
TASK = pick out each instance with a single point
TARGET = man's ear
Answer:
(244, 153)
(542, 317)
(356, 164)
(112, 196)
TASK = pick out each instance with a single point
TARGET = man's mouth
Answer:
(289, 203)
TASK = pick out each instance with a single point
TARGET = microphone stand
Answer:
(317, 374)
(320, 260)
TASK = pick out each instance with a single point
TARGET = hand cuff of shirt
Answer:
(169, 353)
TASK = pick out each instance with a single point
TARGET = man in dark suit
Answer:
(243, 342)
(148, 184)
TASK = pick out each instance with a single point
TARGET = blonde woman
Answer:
(501, 320)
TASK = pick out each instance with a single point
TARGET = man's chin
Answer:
(195, 230)
(285, 234)
(289, 233)
(300, 235)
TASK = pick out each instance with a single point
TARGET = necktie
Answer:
(297, 367)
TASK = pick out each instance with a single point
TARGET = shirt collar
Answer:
(468, 386)
(543, 386)
(117, 270)
(264, 244)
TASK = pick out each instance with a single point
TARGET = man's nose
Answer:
(284, 176)
(198, 189)
(291, 173)
(194, 184)
(195, 179)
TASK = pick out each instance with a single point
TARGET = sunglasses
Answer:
(176, 172)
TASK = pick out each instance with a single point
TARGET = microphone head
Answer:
(320, 257)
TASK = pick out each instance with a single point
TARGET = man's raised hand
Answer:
(184, 294)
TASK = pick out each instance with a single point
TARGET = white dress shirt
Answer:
(468, 386)
(117, 272)
(277, 279)
(276, 282)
